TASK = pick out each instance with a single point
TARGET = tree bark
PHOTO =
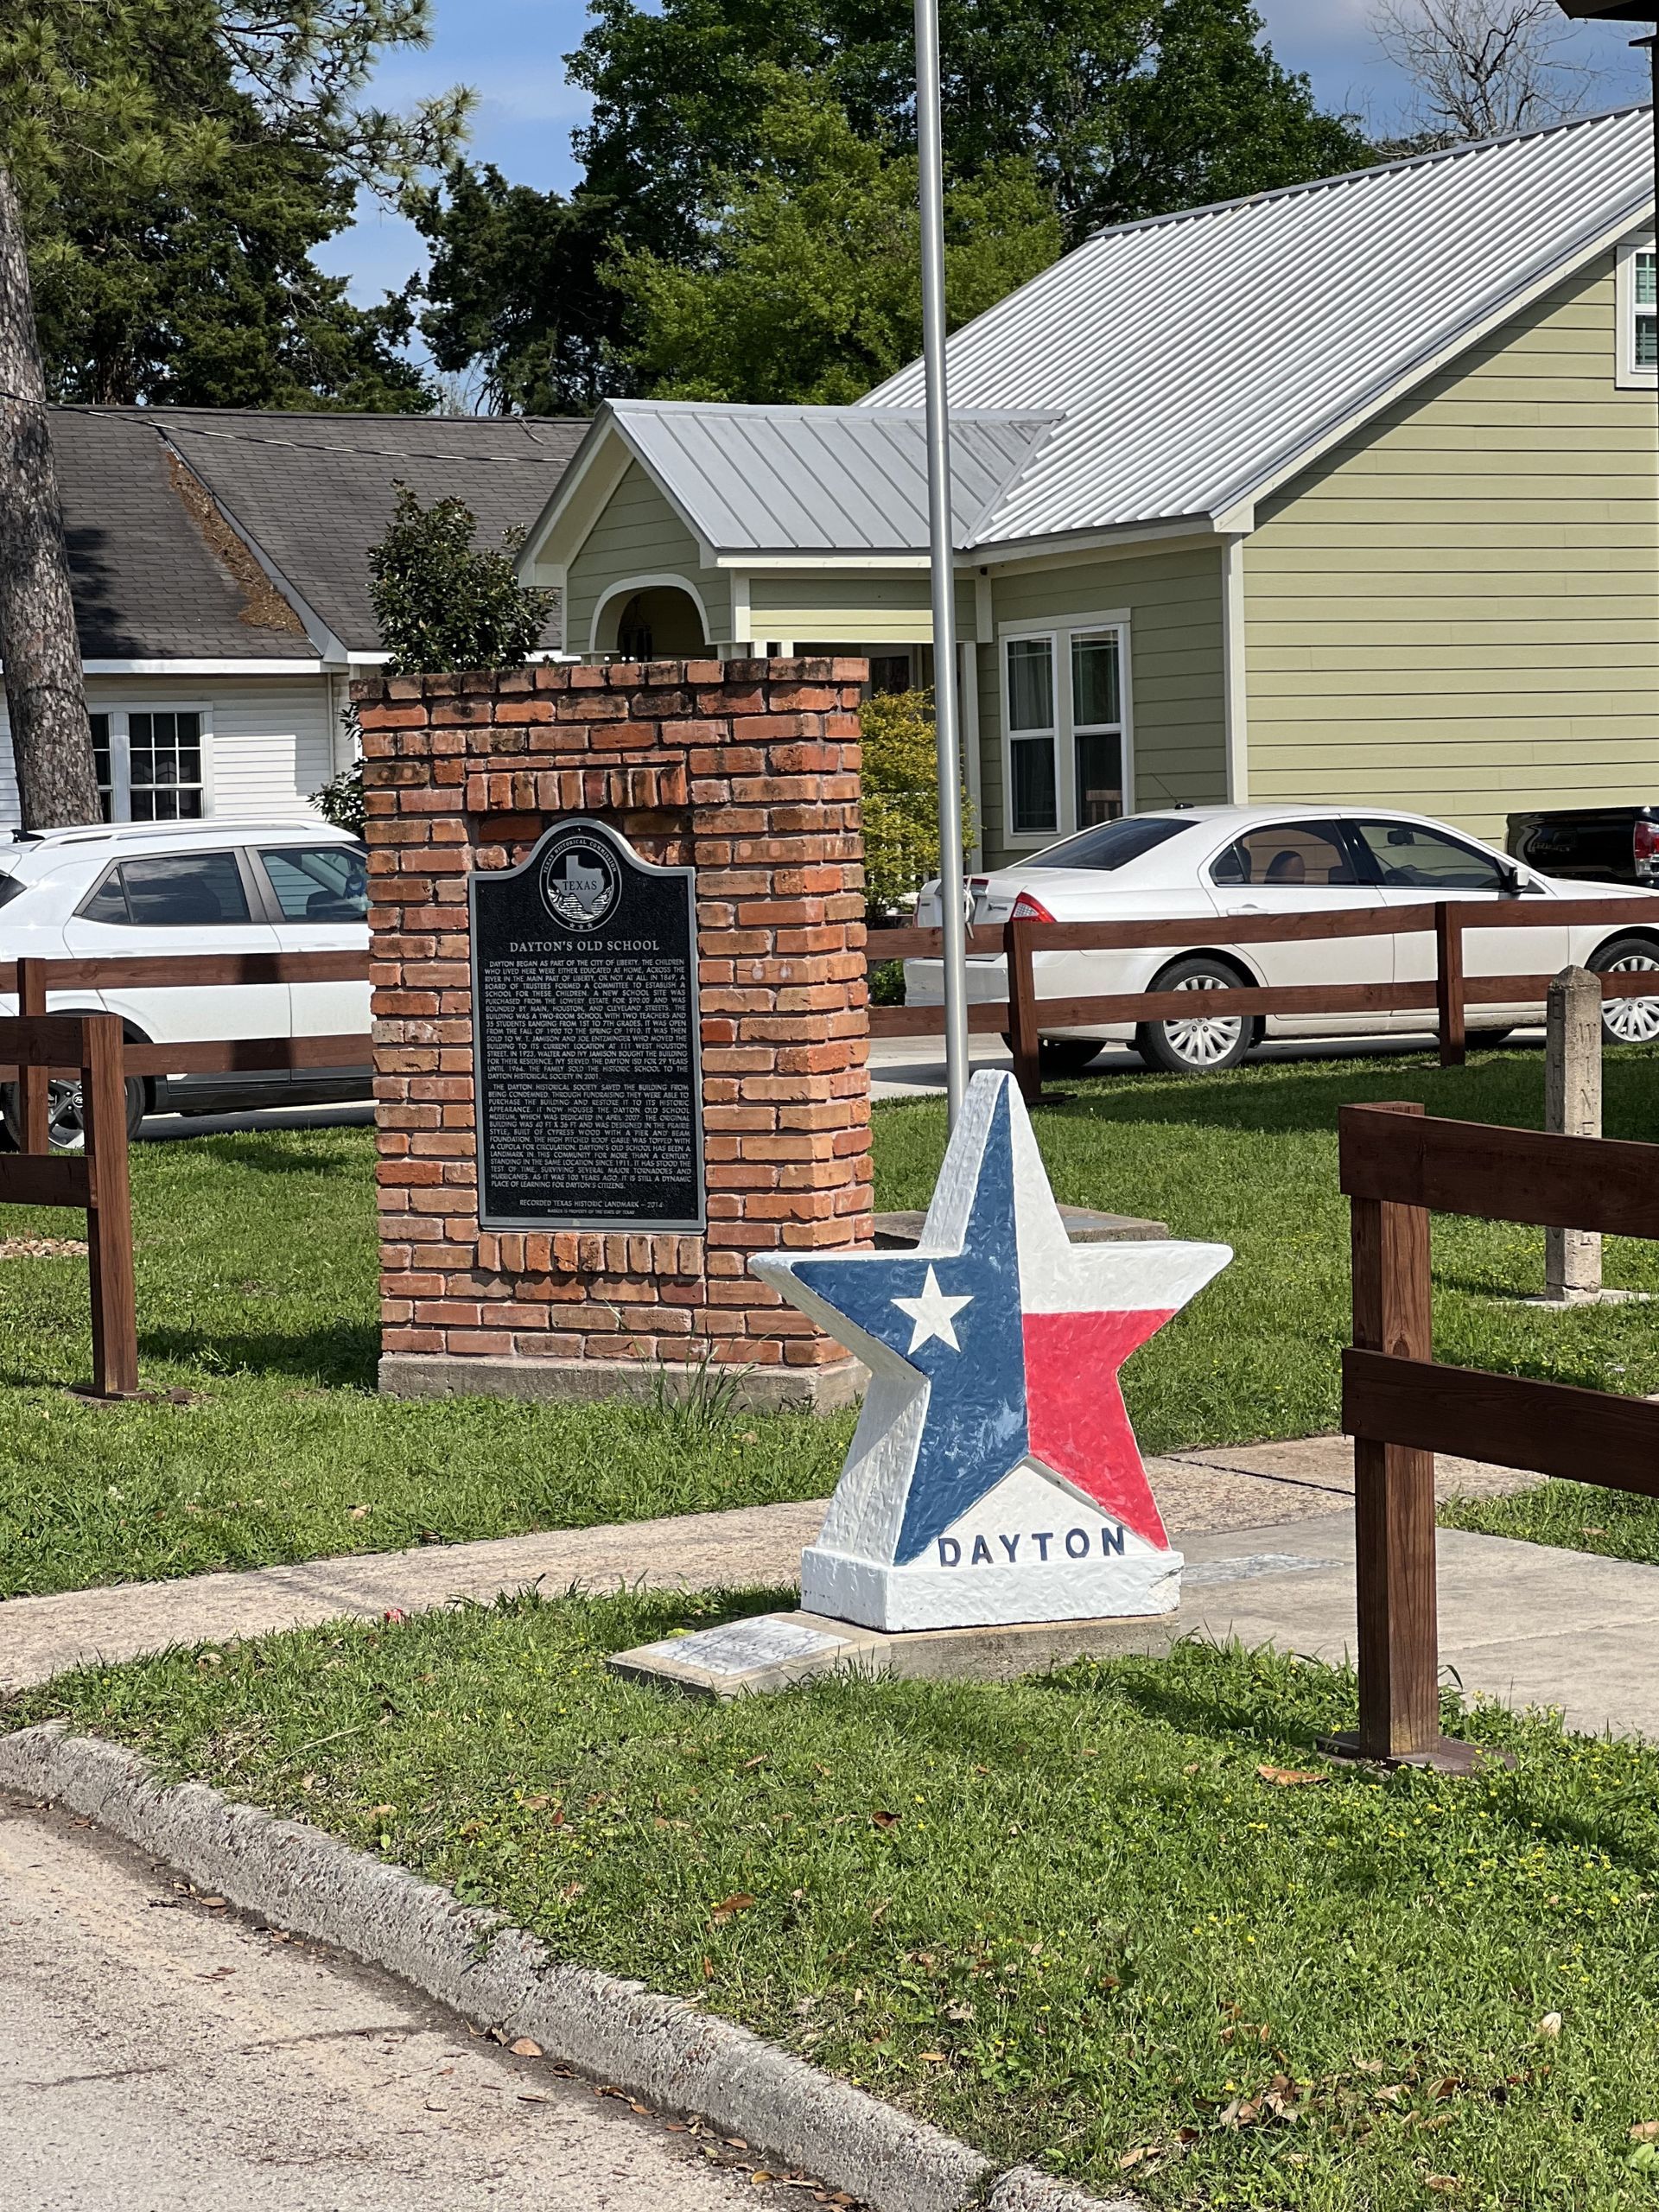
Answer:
(51, 737)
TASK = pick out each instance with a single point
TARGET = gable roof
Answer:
(157, 574)
(1199, 359)
(806, 479)
(146, 583)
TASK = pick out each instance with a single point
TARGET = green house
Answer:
(1345, 493)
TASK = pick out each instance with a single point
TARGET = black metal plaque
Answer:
(585, 1039)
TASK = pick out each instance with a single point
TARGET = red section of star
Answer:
(1079, 1425)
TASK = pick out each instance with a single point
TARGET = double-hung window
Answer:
(151, 764)
(1067, 727)
(1638, 314)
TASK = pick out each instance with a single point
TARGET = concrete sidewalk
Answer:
(1234, 1511)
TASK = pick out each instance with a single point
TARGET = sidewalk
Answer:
(1266, 1527)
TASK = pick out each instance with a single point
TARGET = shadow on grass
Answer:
(265, 1154)
(344, 1355)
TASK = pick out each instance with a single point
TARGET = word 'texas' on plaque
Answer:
(586, 1037)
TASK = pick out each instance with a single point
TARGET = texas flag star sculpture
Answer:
(994, 1477)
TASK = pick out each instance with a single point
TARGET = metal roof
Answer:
(831, 479)
(1197, 357)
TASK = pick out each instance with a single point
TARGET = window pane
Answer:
(166, 766)
(1411, 857)
(1647, 341)
(1112, 846)
(1034, 805)
(109, 902)
(318, 883)
(1647, 270)
(101, 757)
(192, 890)
(1100, 778)
(1096, 693)
(1287, 857)
(1030, 683)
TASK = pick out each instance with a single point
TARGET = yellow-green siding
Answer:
(862, 607)
(1177, 688)
(639, 535)
(1458, 610)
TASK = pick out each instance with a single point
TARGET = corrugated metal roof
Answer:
(1197, 355)
(830, 479)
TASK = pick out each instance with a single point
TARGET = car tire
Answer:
(1206, 1046)
(64, 1128)
(1628, 1022)
(1069, 1055)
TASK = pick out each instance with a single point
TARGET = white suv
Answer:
(144, 888)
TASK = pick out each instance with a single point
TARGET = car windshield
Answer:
(1110, 844)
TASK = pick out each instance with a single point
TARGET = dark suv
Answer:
(1597, 844)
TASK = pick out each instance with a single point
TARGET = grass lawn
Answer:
(1073, 1919)
(256, 1298)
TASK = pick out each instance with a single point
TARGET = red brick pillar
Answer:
(748, 769)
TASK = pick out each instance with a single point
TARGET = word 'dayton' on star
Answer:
(994, 1477)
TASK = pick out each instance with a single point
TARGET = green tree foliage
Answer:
(899, 793)
(808, 288)
(177, 162)
(740, 230)
(442, 603)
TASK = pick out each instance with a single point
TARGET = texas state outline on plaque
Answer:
(994, 1477)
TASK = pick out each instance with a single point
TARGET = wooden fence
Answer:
(1402, 1407)
(1023, 1016)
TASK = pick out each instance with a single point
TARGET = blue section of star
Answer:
(976, 1428)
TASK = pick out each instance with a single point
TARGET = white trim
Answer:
(1066, 548)
(603, 443)
(655, 583)
(1234, 673)
(793, 563)
(1626, 375)
(137, 667)
(1113, 618)
(968, 692)
(742, 619)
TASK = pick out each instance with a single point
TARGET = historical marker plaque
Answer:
(585, 1039)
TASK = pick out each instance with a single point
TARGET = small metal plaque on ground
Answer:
(765, 1652)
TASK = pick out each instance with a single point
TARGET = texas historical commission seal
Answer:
(580, 881)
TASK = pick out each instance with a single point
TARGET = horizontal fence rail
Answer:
(1401, 1405)
(1024, 1014)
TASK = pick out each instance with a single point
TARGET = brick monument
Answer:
(748, 772)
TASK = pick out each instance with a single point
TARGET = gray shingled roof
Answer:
(147, 585)
(319, 494)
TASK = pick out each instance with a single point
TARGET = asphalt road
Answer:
(158, 2055)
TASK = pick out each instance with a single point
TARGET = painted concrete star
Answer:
(993, 1353)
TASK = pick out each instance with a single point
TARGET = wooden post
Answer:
(1022, 1009)
(1448, 982)
(1394, 1497)
(108, 1212)
(33, 1082)
(1572, 1108)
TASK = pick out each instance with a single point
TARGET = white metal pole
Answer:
(943, 550)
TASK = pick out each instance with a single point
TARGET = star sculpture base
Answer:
(994, 1479)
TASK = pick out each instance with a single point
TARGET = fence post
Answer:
(33, 1082)
(1448, 983)
(1572, 1108)
(109, 1211)
(1022, 1009)
(1393, 1495)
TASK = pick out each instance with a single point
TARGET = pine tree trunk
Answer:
(51, 738)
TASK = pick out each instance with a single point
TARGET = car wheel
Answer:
(1068, 1055)
(1628, 1022)
(1208, 1043)
(64, 1122)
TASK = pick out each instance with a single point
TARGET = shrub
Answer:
(441, 604)
(900, 798)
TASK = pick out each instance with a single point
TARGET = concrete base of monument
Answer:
(895, 1600)
(772, 1651)
(640, 1381)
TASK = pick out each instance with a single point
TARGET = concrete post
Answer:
(1572, 1108)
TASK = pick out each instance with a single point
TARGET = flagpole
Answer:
(942, 549)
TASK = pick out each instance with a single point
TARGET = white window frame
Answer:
(121, 749)
(1059, 635)
(1628, 375)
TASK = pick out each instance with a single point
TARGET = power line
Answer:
(132, 419)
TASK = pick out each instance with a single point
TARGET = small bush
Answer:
(900, 798)
(441, 604)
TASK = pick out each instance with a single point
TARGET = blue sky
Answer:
(509, 51)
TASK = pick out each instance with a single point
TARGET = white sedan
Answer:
(1227, 861)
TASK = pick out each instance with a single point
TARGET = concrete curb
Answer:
(660, 2048)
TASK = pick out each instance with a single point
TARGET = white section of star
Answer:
(933, 1313)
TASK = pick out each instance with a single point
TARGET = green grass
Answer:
(257, 1302)
(1067, 1918)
